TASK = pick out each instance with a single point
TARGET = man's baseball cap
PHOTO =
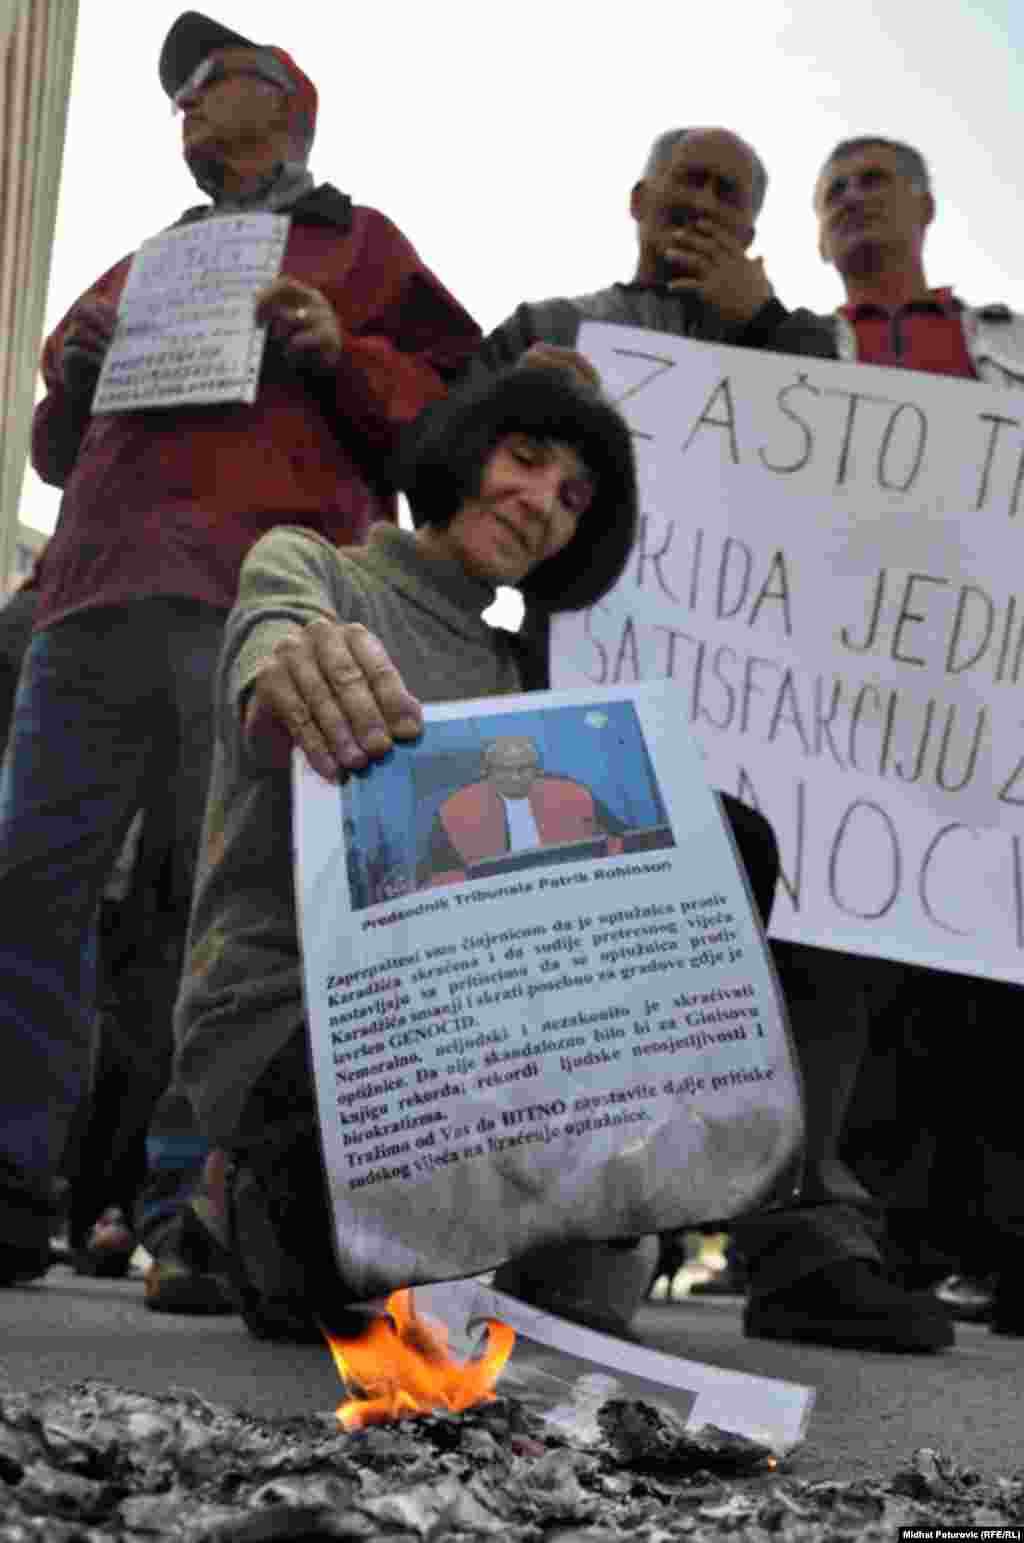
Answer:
(193, 37)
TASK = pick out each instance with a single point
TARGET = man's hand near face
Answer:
(87, 336)
(302, 323)
(712, 262)
(333, 691)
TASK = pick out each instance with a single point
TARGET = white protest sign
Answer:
(517, 1041)
(185, 331)
(828, 569)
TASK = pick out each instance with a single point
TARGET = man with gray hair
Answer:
(875, 205)
(695, 208)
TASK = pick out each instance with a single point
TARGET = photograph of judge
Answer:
(514, 806)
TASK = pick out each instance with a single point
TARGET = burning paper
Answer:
(568, 1374)
(420, 1353)
(403, 1366)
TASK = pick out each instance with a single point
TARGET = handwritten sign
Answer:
(570, 1034)
(185, 331)
(829, 568)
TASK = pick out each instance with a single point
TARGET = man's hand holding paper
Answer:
(301, 320)
(86, 339)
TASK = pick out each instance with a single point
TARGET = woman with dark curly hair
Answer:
(527, 480)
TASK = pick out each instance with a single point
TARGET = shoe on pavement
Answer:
(25, 1252)
(186, 1274)
(850, 1305)
(597, 1285)
(108, 1250)
(20, 1263)
(287, 1284)
(967, 1298)
(1008, 1304)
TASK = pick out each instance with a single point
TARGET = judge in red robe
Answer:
(513, 808)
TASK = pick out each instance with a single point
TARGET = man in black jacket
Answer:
(695, 207)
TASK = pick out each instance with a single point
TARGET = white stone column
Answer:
(37, 39)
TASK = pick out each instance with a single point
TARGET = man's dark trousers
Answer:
(113, 714)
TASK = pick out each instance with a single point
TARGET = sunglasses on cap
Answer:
(263, 66)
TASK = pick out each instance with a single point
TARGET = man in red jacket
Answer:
(160, 507)
(952, 1178)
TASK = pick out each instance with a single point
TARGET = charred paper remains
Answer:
(95, 1462)
(649, 1438)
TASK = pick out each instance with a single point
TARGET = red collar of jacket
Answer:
(942, 300)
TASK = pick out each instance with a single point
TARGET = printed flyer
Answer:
(185, 331)
(540, 1002)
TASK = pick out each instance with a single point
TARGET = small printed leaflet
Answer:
(540, 1001)
(185, 331)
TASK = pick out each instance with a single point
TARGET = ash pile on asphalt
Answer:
(97, 1462)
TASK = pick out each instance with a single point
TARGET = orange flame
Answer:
(404, 1367)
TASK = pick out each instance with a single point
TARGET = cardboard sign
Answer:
(828, 572)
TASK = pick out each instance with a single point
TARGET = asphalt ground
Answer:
(872, 1410)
